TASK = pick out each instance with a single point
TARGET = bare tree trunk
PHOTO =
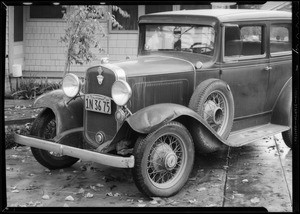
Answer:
(67, 63)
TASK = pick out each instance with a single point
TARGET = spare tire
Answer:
(213, 101)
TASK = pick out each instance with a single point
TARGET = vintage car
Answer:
(203, 80)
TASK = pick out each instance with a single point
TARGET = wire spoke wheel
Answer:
(49, 133)
(163, 160)
(167, 156)
(44, 127)
(213, 101)
(215, 111)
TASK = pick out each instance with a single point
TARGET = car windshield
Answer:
(184, 38)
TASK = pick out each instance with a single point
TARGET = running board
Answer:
(245, 136)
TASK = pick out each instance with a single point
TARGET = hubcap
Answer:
(170, 161)
(166, 160)
(163, 157)
(213, 113)
(216, 111)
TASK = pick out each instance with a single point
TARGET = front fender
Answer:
(153, 117)
(68, 115)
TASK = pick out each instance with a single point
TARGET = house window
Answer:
(130, 24)
(18, 23)
(46, 12)
(127, 23)
(157, 8)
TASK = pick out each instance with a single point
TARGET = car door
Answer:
(280, 59)
(245, 68)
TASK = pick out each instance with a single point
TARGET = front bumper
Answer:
(86, 155)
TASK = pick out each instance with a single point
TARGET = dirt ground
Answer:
(255, 175)
(18, 113)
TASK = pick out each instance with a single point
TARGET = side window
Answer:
(252, 38)
(233, 42)
(280, 38)
(244, 41)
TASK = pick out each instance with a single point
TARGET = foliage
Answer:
(9, 134)
(84, 32)
(30, 88)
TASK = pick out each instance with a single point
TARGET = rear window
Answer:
(280, 38)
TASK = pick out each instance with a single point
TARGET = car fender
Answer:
(68, 114)
(155, 116)
(283, 105)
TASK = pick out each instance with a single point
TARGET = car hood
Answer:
(153, 65)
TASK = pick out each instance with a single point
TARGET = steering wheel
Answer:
(196, 43)
(200, 49)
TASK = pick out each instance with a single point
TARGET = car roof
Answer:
(227, 15)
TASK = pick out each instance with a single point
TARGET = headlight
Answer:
(71, 85)
(121, 92)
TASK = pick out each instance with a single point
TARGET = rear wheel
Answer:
(163, 160)
(287, 135)
(44, 127)
(213, 101)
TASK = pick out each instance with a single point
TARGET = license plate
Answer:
(98, 103)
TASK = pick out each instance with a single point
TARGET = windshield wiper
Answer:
(187, 30)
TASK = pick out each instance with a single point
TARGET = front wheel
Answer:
(44, 127)
(164, 160)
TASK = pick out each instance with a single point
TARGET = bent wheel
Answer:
(44, 127)
(163, 160)
(213, 101)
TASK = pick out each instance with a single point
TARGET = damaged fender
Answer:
(68, 114)
(153, 117)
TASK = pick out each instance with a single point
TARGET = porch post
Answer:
(10, 46)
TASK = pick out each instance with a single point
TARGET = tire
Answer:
(44, 127)
(213, 101)
(287, 135)
(156, 161)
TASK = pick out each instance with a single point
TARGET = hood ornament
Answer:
(100, 77)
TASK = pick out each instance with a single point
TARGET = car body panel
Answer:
(68, 114)
(283, 105)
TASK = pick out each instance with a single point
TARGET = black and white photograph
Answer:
(150, 105)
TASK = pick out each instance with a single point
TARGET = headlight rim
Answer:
(129, 90)
(79, 85)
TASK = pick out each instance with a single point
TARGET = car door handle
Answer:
(268, 68)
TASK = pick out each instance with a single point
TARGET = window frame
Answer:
(143, 39)
(265, 35)
(22, 28)
(27, 12)
(280, 53)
